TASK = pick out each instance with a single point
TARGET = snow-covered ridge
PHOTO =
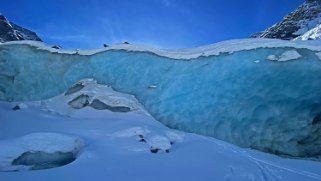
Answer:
(229, 46)
(313, 34)
(10, 31)
(304, 18)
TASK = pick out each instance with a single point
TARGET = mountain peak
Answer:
(311, 1)
(304, 18)
(9, 31)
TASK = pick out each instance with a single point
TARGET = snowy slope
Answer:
(274, 106)
(313, 34)
(304, 18)
(121, 147)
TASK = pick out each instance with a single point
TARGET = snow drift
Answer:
(38, 151)
(263, 94)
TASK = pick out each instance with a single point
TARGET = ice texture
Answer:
(270, 106)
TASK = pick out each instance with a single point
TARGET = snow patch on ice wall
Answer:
(71, 101)
(286, 56)
(271, 106)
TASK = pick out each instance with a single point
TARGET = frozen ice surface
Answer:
(216, 90)
(318, 54)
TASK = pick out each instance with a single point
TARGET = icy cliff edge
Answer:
(229, 46)
(263, 94)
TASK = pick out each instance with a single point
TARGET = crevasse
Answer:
(242, 97)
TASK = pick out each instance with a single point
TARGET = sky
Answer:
(168, 24)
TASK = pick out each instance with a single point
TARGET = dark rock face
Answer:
(56, 47)
(79, 102)
(304, 18)
(16, 108)
(12, 32)
(99, 105)
(7, 32)
(25, 33)
(75, 88)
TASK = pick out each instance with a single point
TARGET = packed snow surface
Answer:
(228, 90)
(131, 146)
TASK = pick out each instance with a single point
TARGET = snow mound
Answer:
(38, 151)
(88, 94)
(158, 142)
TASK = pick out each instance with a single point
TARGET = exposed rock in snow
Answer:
(158, 143)
(298, 22)
(87, 93)
(272, 57)
(19, 106)
(56, 47)
(99, 105)
(12, 32)
(79, 102)
(75, 88)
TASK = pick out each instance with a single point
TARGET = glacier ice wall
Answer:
(240, 97)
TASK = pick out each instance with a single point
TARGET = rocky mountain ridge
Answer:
(294, 25)
(10, 31)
